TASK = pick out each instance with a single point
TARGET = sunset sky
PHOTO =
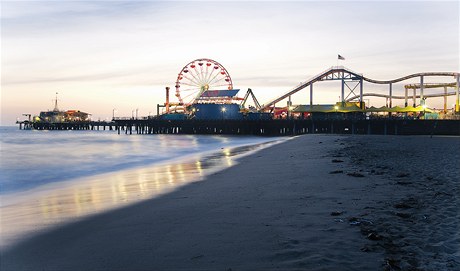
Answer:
(101, 55)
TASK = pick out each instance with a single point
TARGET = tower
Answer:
(56, 109)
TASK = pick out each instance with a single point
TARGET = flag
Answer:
(340, 57)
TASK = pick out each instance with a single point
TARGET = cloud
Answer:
(266, 45)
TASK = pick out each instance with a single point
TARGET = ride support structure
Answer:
(350, 80)
(414, 87)
(457, 103)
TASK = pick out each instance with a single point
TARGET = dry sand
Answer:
(316, 202)
(417, 225)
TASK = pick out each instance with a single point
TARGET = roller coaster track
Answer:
(454, 74)
(340, 72)
(431, 85)
(401, 97)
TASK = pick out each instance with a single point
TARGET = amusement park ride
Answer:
(204, 90)
(202, 81)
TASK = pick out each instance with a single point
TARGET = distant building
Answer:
(76, 115)
(62, 116)
(52, 116)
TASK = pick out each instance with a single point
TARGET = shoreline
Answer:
(114, 157)
(28, 213)
(302, 204)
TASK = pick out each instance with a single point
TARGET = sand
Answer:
(52, 205)
(316, 202)
(418, 222)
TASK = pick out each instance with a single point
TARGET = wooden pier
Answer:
(76, 125)
(290, 127)
(262, 127)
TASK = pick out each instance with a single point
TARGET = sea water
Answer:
(52, 177)
(31, 158)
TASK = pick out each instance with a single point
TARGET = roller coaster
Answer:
(351, 80)
(433, 95)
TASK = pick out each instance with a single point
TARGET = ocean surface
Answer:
(53, 177)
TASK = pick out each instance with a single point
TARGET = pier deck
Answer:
(263, 127)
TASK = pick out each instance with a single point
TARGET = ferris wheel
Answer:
(199, 76)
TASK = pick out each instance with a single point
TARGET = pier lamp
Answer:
(113, 113)
(223, 111)
(290, 108)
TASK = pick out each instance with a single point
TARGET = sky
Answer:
(106, 55)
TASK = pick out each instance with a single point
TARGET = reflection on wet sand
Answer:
(25, 213)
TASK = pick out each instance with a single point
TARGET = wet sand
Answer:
(316, 202)
(30, 212)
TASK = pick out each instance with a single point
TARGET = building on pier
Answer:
(58, 116)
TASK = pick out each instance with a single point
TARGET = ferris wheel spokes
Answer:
(191, 80)
(209, 77)
(210, 81)
(193, 87)
(199, 80)
(217, 81)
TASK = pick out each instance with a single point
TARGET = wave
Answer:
(34, 158)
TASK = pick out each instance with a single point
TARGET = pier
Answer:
(76, 125)
(290, 127)
(277, 127)
(215, 111)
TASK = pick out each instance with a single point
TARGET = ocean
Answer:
(53, 177)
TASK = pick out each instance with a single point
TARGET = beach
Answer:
(316, 202)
